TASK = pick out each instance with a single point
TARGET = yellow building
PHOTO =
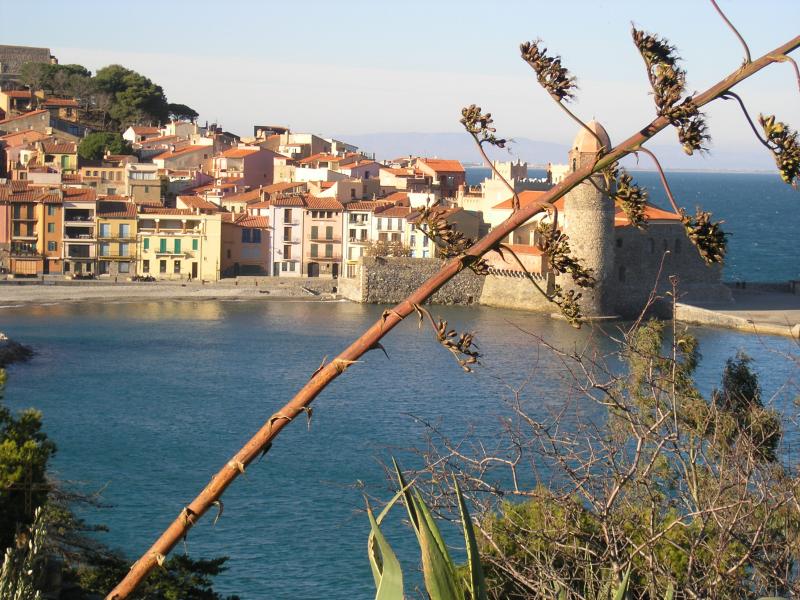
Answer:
(176, 244)
(116, 239)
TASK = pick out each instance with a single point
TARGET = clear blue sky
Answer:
(366, 67)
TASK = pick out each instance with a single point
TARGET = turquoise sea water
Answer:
(761, 214)
(150, 398)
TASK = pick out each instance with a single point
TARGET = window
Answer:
(146, 189)
(162, 246)
(124, 267)
(162, 266)
(124, 249)
(314, 250)
(287, 234)
(105, 249)
(291, 267)
(145, 266)
(51, 228)
(146, 242)
(177, 246)
(329, 233)
(245, 236)
(352, 192)
(105, 230)
(284, 266)
(124, 230)
(352, 235)
(287, 215)
(256, 236)
(287, 253)
(314, 232)
(329, 250)
(52, 246)
(425, 241)
(51, 211)
(366, 174)
(102, 267)
(425, 254)
(194, 244)
(380, 223)
(413, 240)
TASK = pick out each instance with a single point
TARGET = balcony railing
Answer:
(335, 257)
(29, 236)
(321, 239)
(117, 237)
(183, 253)
(359, 240)
(79, 237)
(291, 241)
(117, 256)
(24, 251)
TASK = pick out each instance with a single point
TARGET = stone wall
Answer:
(391, 280)
(637, 260)
(516, 292)
(13, 57)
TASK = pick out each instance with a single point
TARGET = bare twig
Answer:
(734, 30)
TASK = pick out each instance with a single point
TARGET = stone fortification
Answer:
(391, 280)
(517, 293)
(13, 57)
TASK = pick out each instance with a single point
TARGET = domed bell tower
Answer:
(588, 220)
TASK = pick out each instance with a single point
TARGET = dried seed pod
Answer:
(632, 198)
(550, 73)
(555, 246)
(784, 146)
(709, 239)
(479, 125)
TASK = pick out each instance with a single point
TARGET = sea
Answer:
(146, 400)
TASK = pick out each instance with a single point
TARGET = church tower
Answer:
(588, 220)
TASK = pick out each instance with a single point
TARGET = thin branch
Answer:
(583, 125)
(515, 196)
(254, 447)
(663, 179)
(734, 30)
(727, 96)
(793, 62)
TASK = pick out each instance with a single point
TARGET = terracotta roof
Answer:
(651, 212)
(399, 172)
(239, 152)
(140, 130)
(149, 203)
(362, 205)
(525, 198)
(56, 147)
(359, 164)
(319, 156)
(180, 152)
(264, 204)
(443, 166)
(115, 209)
(283, 186)
(326, 185)
(289, 201)
(19, 93)
(257, 222)
(68, 102)
(79, 194)
(73, 177)
(163, 139)
(396, 197)
(394, 211)
(20, 138)
(315, 203)
(113, 198)
(198, 202)
(23, 116)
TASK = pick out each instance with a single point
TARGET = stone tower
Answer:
(588, 220)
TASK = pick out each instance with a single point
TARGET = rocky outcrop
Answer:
(11, 351)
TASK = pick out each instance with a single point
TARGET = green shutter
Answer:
(163, 245)
(194, 244)
(177, 246)
(329, 233)
(147, 243)
(314, 232)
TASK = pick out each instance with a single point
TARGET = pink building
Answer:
(251, 165)
(322, 237)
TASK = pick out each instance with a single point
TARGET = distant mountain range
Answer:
(460, 146)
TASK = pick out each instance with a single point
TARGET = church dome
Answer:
(586, 142)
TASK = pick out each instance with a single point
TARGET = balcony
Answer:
(324, 240)
(78, 221)
(79, 237)
(24, 251)
(317, 258)
(21, 219)
(291, 241)
(358, 240)
(115, 237)
(77, 254)
(117, 256)
(28, 237)
(181, 253)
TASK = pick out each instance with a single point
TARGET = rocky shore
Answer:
(11, 351)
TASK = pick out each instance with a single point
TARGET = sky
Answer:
(362, 67)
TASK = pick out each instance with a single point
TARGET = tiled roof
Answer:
(257, 222)
(359, 164)
(140, 130)
(443, 166)
(239, 152)
(19, 93)
(283, 186)
(180, 152)
(198, 202)
(264, 204)
(396, 197)
(116, 209)
(67, 102)
(79, 194)
(20, 138)
(247, 197)
(289, 201)
(651, 212)
(362, 205)
(314, 203)
(56, 147)
(149, 203)
(320, 156)
(394, 211)
(163, 139)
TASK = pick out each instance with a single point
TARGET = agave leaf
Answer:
(670, 592)
(385, 566)
(623, 587)
(562, 595)
(408, 499)
(476, 583)
(437, 567)
(374, 565)
(425, 515)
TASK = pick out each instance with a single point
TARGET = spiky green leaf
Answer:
(476, 582)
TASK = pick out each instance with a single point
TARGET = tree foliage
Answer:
(181, 112)
(94, 145)
(136, 98)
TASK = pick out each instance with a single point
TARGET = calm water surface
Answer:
(150, 398)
